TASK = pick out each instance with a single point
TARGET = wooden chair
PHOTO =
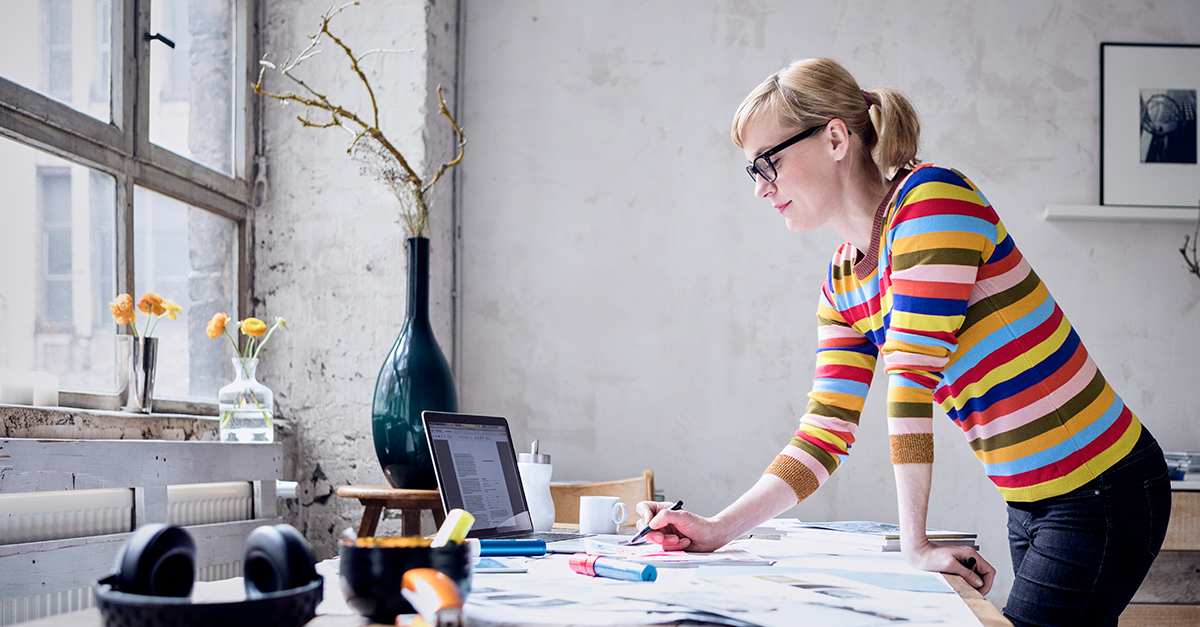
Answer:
(630, 491)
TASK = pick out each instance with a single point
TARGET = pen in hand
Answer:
(645, 530)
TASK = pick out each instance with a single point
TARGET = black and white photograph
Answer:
(1168, 123)
(1151, 164)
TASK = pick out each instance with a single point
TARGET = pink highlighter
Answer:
(600, 566)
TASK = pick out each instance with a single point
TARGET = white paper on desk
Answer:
(788, 548)
(763, 602)
(499, 616)
(551, 594)
(654, 554)
(580, 545)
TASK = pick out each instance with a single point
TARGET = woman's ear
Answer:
(838, 139)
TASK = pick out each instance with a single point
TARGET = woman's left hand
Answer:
(949, 559)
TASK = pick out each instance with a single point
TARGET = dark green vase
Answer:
(415, 377)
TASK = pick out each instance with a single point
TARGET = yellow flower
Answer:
(122, 309)
(254, 327)
(151, 303)
(216, 326)
(172, 308)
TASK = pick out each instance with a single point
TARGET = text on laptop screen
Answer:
(482, 477)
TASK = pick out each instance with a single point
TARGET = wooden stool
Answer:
(376, 498)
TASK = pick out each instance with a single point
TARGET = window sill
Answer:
(111, 403)
(1118, 213)
(25, 421)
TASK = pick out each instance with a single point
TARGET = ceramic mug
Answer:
(600, 514)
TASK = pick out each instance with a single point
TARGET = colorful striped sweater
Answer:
(960, 318)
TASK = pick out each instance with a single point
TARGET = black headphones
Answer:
(156, 568)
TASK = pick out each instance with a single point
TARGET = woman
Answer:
(930, 279)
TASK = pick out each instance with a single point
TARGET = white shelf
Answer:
(1119, 213)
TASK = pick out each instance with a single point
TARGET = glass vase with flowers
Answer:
(245, 405)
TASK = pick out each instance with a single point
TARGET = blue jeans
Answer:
(1078, 558)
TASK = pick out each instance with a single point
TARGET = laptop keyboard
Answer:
(554, 536)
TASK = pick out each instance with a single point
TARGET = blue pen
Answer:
(509, 548)
(600, 566)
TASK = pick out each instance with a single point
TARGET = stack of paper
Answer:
(889, 533)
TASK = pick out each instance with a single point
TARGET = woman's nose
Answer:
(763, 187)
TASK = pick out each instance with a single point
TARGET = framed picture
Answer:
(1148, 133)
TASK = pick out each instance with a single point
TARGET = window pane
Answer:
(191, 85)
(61, 48)
(187, 255)
(58, 302)
(54, 183)
(58, 254)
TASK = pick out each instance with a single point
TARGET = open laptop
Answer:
(476, 468)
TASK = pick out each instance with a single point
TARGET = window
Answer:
(57, 258)
(102, 196)
(191, 85)
(190, 256)
(56, 35)
(61, 49)
(100, 76)
(54, 204)
(106, 194)
(175, 85)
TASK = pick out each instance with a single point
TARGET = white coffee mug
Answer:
(600, 514)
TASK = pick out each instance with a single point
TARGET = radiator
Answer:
(204, 503)
(52, 515)
(34, 516)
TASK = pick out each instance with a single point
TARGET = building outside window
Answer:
(103, 195)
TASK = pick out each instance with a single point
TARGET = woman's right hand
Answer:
(681, 530)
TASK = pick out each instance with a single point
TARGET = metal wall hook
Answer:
(159, 37)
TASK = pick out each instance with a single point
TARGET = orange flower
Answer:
(122, 309)
(216, 326)
(172, 308)
(151, 303)
(254, 327)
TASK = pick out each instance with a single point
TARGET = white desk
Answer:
(831, 572)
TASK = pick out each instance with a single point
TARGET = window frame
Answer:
(122, 148)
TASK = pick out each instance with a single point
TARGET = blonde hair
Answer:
(810, 92)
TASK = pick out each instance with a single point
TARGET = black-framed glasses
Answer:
(763, 165)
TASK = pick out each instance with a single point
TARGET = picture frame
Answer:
(1148, 129)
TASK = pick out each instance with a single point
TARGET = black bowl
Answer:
(371, 577)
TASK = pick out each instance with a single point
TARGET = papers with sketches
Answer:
(889, 533)
(654, 554)
(499, 565)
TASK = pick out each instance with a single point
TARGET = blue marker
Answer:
(599, 566)
(509, 548)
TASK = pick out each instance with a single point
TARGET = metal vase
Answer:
(137, 359)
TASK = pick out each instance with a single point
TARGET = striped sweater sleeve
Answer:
(941, 233)
(845, 365)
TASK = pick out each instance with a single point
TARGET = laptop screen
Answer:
(476, 470)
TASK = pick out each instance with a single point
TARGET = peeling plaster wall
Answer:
(627, 301)
(330, 247)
